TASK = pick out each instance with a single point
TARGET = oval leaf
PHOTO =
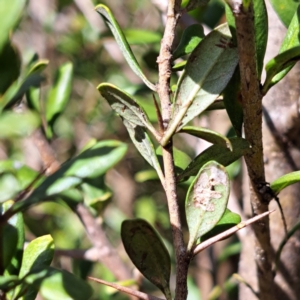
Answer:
(208, 135)
(207, 72)
(285, 9)
(218, 153)
(190, 39)
(282, 182)
(122, 43)
(206, 200)
(148, 253)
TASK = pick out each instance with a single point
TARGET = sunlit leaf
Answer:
(208, 135)
(285, 9)
(147, 252)
(139, 36)
(207, 72)
(206, 200)
(282, 182)
(190, 39)
(280, 65)
(122, 42)
(290, 41)
(218, 153)
(8, 282)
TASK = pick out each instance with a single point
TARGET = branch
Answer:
(228, 233)
(164, 65)
(126, 290)
(252, 108)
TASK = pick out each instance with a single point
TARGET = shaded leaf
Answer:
(285, 10)
(218, 153)
(147, 252)
(228, 220)
(232, 100)
(10, 13)
(13, 239)
(282, 182)
(56, 284)
(13, 124)
(207, 72)
(190, 39)
(206, 200)
(290, 41)
(282, 63)
(139, 36)
(208, 135)
(59, 93)
(122, 43)
(8, 282)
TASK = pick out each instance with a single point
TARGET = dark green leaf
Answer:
(13, 239)
(56, 284)
(218, 153)
(206, 200)
(139, 36)
(60, 92)
(280, 65)
(207, 72)
(122, 42)
(232, 100)
(285, 9)
(208, 135)
(228, 220)
(10, 12)
(282, 182)
(190, 39)
(147, 252)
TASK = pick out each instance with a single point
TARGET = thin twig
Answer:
(164, 65)
(252, 108)
(240, 279)
(228, 232)
(126, 290)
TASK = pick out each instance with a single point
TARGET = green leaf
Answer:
(56, 284)
(208, 135)
(124, 105)
(280, 65)
(261, 30)
(179, 67)
(228, 220)
(145, 175)
(59, 93)
(10, 13)
(190, 39)
(13, 124)
(206, 200)
(8, 282)
(282, 182)
(37, 255)
(285, 9)
(139, 36)
(122, 42)
(148, 253)
(91, 163)
(232, 100)
(218, 153)
(290, 41)
(13, 241)
(207, 72)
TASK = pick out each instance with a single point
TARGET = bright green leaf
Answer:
(280, 65)
(208, 135)
(122, 42)
(8, 282)
(10, 13)
(145, 175)
(218, 153)
(282, 182)
(148, 253)
(206, 200)
(207, 72)
(285, 9)
(179, 67)
(139, 36)
(190, 39)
